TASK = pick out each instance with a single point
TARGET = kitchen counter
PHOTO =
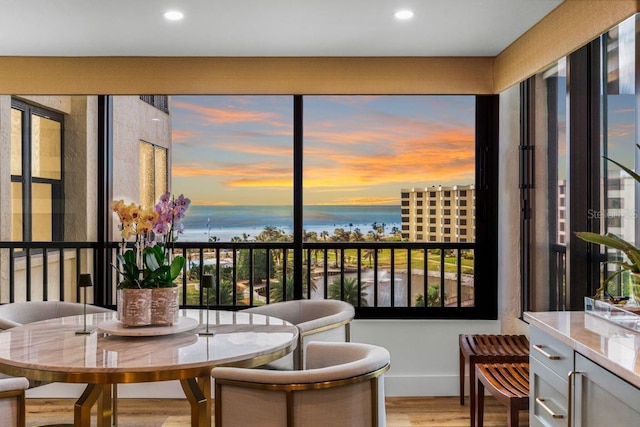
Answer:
(610, 346)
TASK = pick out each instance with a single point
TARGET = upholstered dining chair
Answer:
(12, 401)
(317, 320)
(343, 385)
(20, 313)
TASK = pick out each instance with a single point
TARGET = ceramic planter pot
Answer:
(164, 306)
(134, 307)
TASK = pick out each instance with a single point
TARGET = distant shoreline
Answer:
(226, 222)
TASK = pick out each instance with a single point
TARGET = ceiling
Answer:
(265, 27)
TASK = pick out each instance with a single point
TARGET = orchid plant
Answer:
(150, 264)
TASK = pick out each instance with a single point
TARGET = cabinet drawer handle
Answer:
(545, 353)
(544, 406)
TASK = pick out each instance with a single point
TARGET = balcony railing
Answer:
(421, 277)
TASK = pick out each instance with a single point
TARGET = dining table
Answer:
(99, 351)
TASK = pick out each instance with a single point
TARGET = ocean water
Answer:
(226, 222)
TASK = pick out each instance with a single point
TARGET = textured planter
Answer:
(164, 306)
(134, 307)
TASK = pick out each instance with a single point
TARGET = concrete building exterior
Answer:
(438, 214)
(61, 151)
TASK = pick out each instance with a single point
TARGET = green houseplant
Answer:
(632, 264)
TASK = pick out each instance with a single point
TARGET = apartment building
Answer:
(438, 214)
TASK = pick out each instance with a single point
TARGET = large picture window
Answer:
(36, 174)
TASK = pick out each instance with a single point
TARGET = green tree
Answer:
(276, 293)
(260, 272)
(226, 294)
(350, 290)
(433, 296)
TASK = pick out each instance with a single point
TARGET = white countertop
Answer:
(610, 346)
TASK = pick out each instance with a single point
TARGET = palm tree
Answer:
(369, 254)
(357, 236)
(350, 290)
(226, 294)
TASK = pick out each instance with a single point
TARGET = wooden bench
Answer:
(508, 383)
(488, 349)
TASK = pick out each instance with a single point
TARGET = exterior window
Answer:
(463, 193)
(405, 195)
(37, 205)
(405, 211)
(405, 203)
(419, 212)
(432, 202)
(432, 220)
(447, 202)
(432, 211)
(463, 231)
(405, 227)
(432, 229)
(153, 173)
(463, 203)
(419, 236)
(447, 239)
(432, 194)
(447, 221)
(419, 203)
(463, 211)
(447, 193)
(419, 228)
(419, 194)
(432, 238)
(447, 212)
(419, 219)
(447, 230)
(463, 222)
(405, 219)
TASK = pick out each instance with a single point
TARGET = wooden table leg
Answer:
(82, 407)
(198, 394)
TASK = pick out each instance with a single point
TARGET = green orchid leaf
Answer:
(176, 267)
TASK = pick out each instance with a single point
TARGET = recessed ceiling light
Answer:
(173, 15)
(404, 14)
(155, 119)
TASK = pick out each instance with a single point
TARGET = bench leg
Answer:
(461, 378)
(479, 398)
(472, 391)
(514, 412)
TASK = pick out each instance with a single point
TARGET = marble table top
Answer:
(52, 351)
(611, 346)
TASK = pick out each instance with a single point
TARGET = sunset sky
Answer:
(238, 150)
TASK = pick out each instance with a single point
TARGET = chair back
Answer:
(12, 402)
(343, 386)
(317, 320)
(20, 313)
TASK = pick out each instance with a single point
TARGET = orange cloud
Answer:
(181, 136)
(367, 200)
(206, 202)
(226, 116)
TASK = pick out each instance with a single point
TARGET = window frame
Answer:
(26, 178)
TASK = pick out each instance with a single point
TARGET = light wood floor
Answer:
(401, 412)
